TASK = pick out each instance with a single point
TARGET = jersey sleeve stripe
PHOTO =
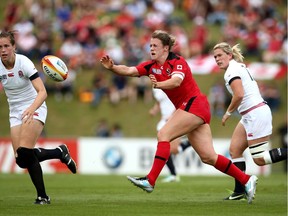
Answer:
(178, 74)
(234, 78)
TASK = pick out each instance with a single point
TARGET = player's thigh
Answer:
(30, 132)
(201, 141)
(238, 142)
(180, 123)
(15, 136)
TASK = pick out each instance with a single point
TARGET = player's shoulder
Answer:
(174, 56)
(22, 57)
(148, 62)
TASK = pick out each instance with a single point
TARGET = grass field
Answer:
(114, 195)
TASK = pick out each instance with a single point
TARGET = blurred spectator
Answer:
(102, 129)
(218, 14)
(116, 130)
(251, 41)
(11, 14)
(45, 44)
(115, 50)
(137, 9)
(71, 50)
(231, 29)
(124, 21)
(271, 95)
(273, 51)
(140, 87)
(154, 19)
(198, 40)
(90, 49)
(164, 6)
(217, 98)
(132, 49)
(65, 89)
(27, 44)
(182, 42)
(99, 88)
(194, 8)
(284, 52)
(118, 90)
(26, 41)
(39, 12)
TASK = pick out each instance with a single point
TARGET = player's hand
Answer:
(153, 80)
(27, 116)
(107, 62)
(153, 111)
(225, 118)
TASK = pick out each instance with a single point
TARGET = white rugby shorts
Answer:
(16, 113)
(257, 122)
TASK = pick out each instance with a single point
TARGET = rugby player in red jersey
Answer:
(171, 73)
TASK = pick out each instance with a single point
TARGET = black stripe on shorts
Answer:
(189, 104)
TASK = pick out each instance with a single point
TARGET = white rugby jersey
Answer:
(252, 94)
(18, 88)
(166, 106)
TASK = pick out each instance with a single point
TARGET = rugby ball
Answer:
(54, 68)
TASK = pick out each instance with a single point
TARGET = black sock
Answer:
(239, 188)
(171, 166)
(47, 154)
(185, 145)
(278, 154)
(36, 174)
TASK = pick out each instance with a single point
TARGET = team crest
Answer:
(168, 71)
(179, 67)
(20, 73)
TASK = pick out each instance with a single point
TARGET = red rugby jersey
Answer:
(173, 64)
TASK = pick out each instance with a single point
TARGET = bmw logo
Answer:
(113, 157)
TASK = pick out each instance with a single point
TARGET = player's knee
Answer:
(208, 159)
(162, 135)
(260, 153)
(25, 157)
(259, 161)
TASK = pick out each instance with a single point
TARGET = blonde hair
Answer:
(235, 50)
(165, 38)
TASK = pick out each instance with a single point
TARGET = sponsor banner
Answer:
(135, 156)
(7, 158)
(123, 156)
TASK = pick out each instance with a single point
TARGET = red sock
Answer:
(161, 156)
(224, 165)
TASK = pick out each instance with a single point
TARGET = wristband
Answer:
(228, 113)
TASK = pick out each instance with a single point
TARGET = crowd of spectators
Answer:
(104, 129)
(81, 31)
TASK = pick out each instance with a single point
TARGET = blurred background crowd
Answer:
(80, 31)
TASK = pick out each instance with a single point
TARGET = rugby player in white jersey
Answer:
(26, 96)
(255, 127)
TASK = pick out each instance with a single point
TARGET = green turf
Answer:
(114, 195)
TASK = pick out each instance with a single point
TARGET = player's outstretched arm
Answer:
(122, 70)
